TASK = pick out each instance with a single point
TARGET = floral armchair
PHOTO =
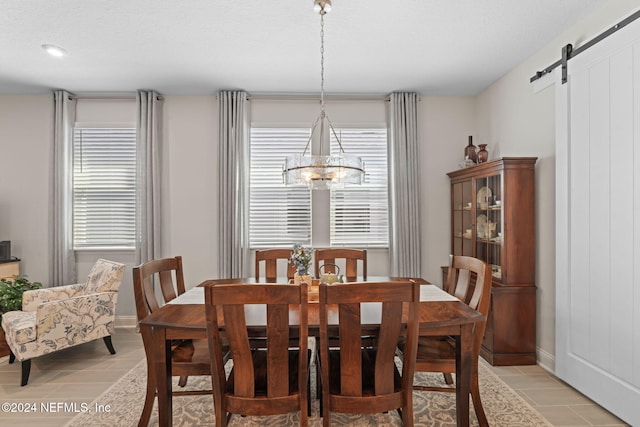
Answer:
(52, 319)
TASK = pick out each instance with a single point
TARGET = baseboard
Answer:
(546, 360)
(126, 321)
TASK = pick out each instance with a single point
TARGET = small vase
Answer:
(470, 151)
(297, 279)
(483, 154)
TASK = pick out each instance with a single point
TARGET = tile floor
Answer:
(558, 402)
(79, 375)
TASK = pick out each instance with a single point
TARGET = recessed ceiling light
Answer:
(54, 50)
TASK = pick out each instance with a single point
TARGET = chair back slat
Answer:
(271, 269)
(149, 297)
(351, 268)
(167, 286)
(350, 346)
(236, 332)
(476, 297)
(462, 285)
(277, 356)
(328, 266)
(218, 374)
(387, 341)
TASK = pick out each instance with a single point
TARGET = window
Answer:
(359, 214)
(104, 187)
(280, 215)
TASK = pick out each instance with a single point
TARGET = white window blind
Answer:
(359, 214)
(279, 215)
(104, 187)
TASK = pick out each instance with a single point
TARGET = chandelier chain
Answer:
(322, 61)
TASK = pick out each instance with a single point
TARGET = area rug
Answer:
(504, 407)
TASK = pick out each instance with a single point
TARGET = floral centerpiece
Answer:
(301, 259)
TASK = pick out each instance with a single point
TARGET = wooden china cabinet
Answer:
(493, 218)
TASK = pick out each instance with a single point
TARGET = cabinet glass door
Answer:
(489, 222)
(462, 227)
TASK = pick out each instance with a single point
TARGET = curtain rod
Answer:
(568, 52)
(112, 96)
(307, 97)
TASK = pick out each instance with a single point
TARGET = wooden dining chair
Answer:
(270, 259)
(188, 357)
(360, 379)
(265, 381)
(350, 256)
(468, 279)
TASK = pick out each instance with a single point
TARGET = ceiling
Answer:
(197, 47)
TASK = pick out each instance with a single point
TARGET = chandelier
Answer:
(320, 171)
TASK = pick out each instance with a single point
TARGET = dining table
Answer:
(441, 314)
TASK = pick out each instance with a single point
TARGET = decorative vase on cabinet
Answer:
(483, 154)
(470, 151)
(493, 218)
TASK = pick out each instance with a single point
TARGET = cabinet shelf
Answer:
(501, 193)
(489, 242)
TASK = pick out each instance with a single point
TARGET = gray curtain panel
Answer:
(404, 186)
(149, 146)
(233, 224)
(62, 263)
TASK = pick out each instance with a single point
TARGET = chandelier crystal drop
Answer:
(320, 172)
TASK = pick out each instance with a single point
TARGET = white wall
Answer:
(445, 124)
(92, 112)
(25, 152)
(515, 121)
(190, 179)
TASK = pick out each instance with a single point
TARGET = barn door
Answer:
(598, 223)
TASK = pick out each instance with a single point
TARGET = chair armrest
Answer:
(75, 320)
(31, 300)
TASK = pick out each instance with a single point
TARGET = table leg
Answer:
(150, 397)
(162, 362)
(464, 360)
